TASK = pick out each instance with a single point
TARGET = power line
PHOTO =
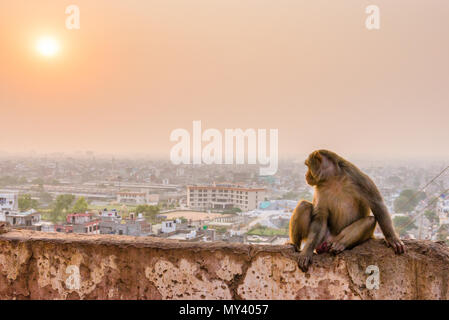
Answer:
(430, 182)
(422, 211)
(418, 192)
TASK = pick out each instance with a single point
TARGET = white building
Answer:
(168, 226)
(23, 219)
(137, 198)
(9, 200)
(224, 196)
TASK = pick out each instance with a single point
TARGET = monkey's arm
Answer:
(383, 218)
(318, 229)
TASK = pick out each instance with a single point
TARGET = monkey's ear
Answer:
(317, 156)
(327, 168)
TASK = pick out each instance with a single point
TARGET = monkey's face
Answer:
(310, 179)
(320, 168)
(313, 165)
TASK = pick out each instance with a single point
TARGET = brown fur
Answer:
(343, 199)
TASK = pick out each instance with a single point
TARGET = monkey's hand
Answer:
(304, 261)
(396, 243)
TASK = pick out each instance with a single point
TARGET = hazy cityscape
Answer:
(92, 194)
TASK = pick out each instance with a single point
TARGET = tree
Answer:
(61, 206)
(147, 210)
(80, 205)
(406, 202)
(403, 224)
(26, 203)
(232, 210)
(432, 217)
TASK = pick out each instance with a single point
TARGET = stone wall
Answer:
(35, 265)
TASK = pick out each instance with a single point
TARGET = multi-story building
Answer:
(112, 223)
(9, 200)
(80, 223)
(224, 196)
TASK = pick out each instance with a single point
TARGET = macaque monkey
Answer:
(339, 216)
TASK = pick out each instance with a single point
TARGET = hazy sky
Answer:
(136, 70)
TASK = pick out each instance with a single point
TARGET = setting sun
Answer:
(47, 46)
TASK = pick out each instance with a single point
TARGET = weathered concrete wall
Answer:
(36, 265)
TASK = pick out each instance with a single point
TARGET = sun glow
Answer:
(47, 46)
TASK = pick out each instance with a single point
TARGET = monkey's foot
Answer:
(397, 245)
(323, 247)
(304, 262)
(337, 247)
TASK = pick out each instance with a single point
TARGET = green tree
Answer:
(232, 210)
(147, 210)
(433, 218)
(26, 203)
(80, 205)
(407, 200)
(61, 206)
(403, 224)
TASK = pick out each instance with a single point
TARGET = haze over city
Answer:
(136, 70)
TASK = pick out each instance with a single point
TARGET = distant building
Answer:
(78, 218)
(224, 196)
(137, 198)
(64, 228)
(112, 223)
(89, 227)
(168, 226)
(9, 200)
(288, 205)
(80, 223)
(46, 226)
(26, 220)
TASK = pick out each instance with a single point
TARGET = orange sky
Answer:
(136, 70)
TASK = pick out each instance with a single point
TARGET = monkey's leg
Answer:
(300, 223)
(354, 234)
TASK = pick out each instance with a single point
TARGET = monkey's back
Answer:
(343, 203)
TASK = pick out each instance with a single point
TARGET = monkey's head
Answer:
(322, 165)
